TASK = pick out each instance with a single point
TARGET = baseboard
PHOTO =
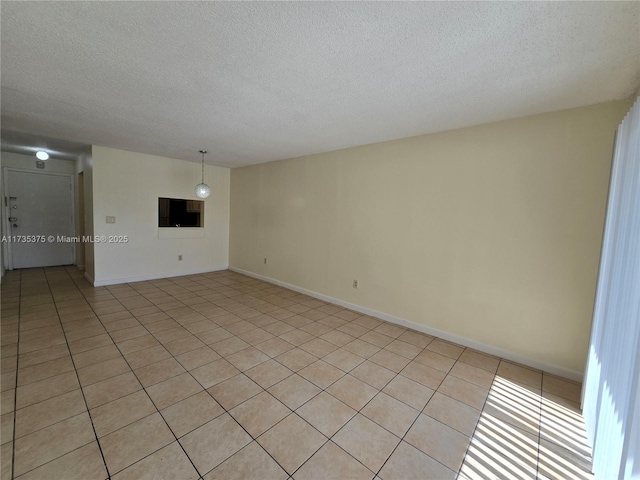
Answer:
(116, 281)
(482, 347)
(89, 279)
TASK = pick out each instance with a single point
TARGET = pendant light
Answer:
(202, 189)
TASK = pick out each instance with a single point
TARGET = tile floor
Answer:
(221, 376)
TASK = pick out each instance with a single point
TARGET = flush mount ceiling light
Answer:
(202, 189)
(42, 155)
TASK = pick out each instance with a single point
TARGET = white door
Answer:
(39, 207)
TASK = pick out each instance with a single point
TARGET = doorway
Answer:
(80, 221)
(39, 218)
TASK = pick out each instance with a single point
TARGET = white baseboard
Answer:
(116, 281)
(482, 347)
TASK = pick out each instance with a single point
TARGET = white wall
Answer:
(489, 234)
(127, 185)
(85, 165)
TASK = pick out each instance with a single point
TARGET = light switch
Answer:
(111, 219)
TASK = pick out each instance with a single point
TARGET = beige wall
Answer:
(489, 234)
(127, 185)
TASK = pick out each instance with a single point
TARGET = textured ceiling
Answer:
(258, 81)
(29, 144)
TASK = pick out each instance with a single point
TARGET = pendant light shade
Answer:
(202, 189)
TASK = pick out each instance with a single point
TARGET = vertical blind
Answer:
(611, 394)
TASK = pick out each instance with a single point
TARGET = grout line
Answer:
(15, 392)
(233, 292)
(146, 393)
(222, 357)
(225, 409)
(477, 421)
(75, 370)
(227, 412)
(356, 411)
(236, 352)
(186, 371)
(539, 429)
(420, 412)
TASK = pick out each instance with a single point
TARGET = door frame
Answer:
(7, 249)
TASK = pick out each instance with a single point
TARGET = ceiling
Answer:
(29, 144)
(258, 81)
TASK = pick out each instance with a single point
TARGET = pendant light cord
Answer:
(203, 152)
(202, 189)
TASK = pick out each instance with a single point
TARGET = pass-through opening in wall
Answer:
(175, 212)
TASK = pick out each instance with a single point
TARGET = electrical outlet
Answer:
(111, 219)
(265, 261)
(355, 283)
(179, 258)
